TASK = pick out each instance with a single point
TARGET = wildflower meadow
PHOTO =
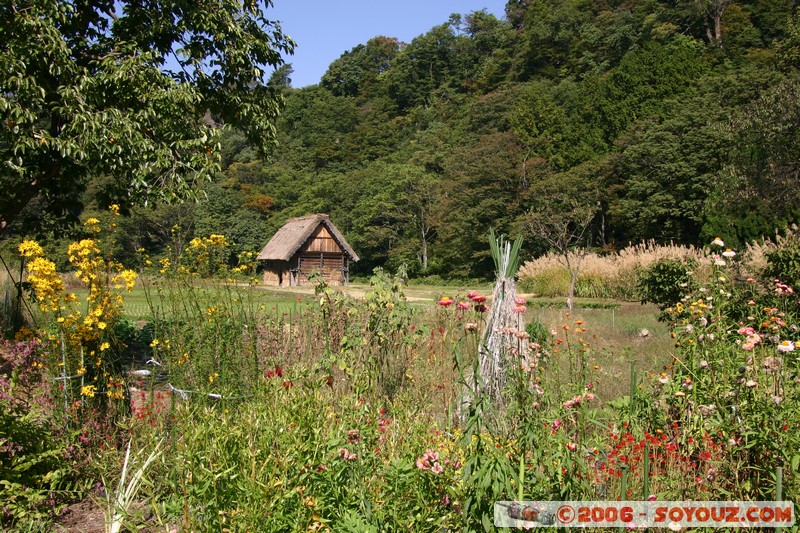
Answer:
(225, 407)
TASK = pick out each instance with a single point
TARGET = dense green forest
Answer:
(672, 120)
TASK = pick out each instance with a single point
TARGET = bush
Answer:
(664, 283)
(784, 264)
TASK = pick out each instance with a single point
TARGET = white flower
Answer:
(786, 347)
(729, 253)
(718, 242)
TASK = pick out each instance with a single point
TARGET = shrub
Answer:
(666, 282)
(784, 264)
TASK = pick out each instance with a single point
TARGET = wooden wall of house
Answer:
(330, 265)
(277, 274)
(321, 241)
(321, 253)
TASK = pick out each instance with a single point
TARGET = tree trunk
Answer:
(573, 282)
(424, 248)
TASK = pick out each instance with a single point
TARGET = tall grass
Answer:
(613, 275)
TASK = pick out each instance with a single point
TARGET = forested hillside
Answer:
(673, 120)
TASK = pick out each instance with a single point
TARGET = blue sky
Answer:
(325, 29)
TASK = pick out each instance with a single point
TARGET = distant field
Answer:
(620, 333)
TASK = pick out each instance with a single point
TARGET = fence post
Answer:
(778, 489)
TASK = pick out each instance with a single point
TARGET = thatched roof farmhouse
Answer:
(303, 246)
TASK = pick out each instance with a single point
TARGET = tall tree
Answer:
(357, 72)
(119, 87)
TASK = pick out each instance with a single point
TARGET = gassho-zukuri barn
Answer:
(307, 245)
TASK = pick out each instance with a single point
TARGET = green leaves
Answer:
(85, 93)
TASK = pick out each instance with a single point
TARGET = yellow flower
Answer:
(91, 221)
(30, 248)
(212, 376)
(101, 325)
(81, 371)
(154, 343)
(89, 391)
(114, 208)
(104, 346)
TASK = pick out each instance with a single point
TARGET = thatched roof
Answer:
(294, 234)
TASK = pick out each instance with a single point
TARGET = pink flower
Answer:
(571, 446)
(445, 301)
(786, 347)
(463, 305)
(555, 425)
(519, 308)
(589, 396)
(572, 402)
(437, 468)
(520, 300)
(651, 498)
(746, 331)
(345, 454)
(478, 299)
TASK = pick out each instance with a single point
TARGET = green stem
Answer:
(520, 489)
(646, 470)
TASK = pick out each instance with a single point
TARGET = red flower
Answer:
(445, 301)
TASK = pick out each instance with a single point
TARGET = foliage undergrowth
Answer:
(360, 414)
